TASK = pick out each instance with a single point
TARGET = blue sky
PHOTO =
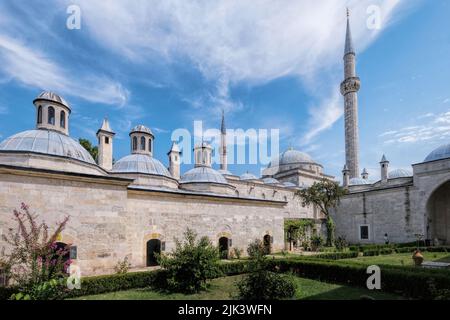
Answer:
(271, 65)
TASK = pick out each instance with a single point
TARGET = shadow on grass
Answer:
(352, 293)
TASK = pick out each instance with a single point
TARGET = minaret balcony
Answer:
(351, 84)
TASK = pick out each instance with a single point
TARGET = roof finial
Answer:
(348, 13)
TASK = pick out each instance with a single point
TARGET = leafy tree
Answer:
(190, 264)
(89, 147)
(326, 195)
(260, 283)
(35, 260)
(295, 229)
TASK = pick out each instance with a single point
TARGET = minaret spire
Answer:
(349, 89)
(223, 145)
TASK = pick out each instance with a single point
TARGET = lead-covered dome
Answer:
(46, 142)
(270, 181)
(141, 128)
(140, 163)
(399, 173)
(248, 176)
(203, 175)
(442, 152)
(52, 97)
(290, 157)
(359, 182)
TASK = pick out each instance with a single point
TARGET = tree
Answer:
(326, 195)
(88, 146)
(35, 260)
(190, 264)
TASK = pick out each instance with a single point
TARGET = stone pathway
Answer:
(435, 265)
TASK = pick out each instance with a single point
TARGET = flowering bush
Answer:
(36, 259)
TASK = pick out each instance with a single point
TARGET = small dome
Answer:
(248, 176)
(46, 142)
(399, 173)
(203, 175)
(53, 97)
(442, 152)
(270, 181)
(359, 181)
(225, 172)
(141, 128)
(140, 163)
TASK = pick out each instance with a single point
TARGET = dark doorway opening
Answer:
(223, 247)
(153, 246)
(267, 240)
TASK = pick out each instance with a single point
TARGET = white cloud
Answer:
(237, 41)
(33, 68)
(436, 129)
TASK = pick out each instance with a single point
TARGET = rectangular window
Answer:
(106, 140)
(364, 232)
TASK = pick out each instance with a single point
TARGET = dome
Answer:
(225, 172)
(289, 184)
(141, 128)
(248, 176)
(140, 163)
(291, 156)
(53, 97)
(443, 152)
(270, 181)
(203, 174)
(46, 142)
(359, 181)
(399, 173)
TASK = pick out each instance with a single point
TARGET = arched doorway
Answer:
(223, 247)
(267, 241)
(153, 246)
(439, 214)
(60, 257)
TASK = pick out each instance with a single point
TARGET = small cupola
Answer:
(203, 155)
(52, 112)
(141, 140)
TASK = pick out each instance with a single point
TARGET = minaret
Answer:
(384, 166)
(223, 145)
(345, 177)
(174, 161)
(105, 146)
(349, 89)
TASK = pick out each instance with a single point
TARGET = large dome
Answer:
(359, 182)
(140, 163)
(46, 142)
(202, 175)
(248, 176)
(291, 156)
(141, 128)
(443, 152)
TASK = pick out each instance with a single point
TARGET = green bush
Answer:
(266, 285)
(316, 242)
(190, 264)
(341, 243)
(260, 283)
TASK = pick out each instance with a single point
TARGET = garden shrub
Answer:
(340, 243)
(336, 255)
(190, 264)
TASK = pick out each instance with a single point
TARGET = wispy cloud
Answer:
(237, 41)
(31, 67)
(437, 128)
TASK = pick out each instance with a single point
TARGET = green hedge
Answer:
(393, 279)
(132, 280)
(336, 255)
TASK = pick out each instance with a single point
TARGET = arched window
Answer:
(39, 116)
(150, 145)
(236, 193)
(142, 143)
(51, 115)
(62, 119)
(263, 196)
(134, 143)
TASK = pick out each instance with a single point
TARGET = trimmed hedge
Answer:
(408, 282)
(132, 280)
(336, 255)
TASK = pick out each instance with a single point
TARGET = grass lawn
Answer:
(224, 289)
(400, 259)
